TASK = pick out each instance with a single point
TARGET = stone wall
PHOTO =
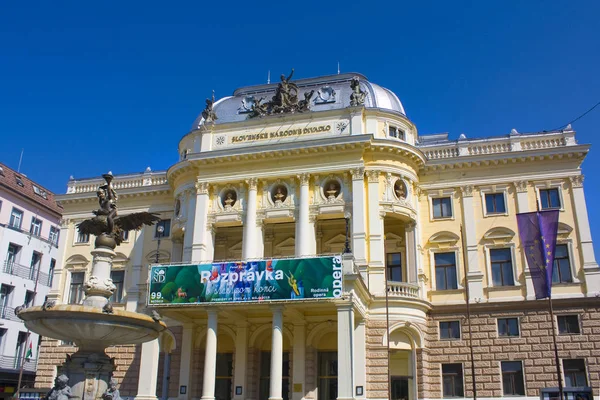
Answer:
(533, 346)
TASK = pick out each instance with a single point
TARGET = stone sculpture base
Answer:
(89, 373)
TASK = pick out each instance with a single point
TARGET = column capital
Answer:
(202, 187)
(252, 183)
(303, 178)
(576, 181)
(358, 173)
(467, 190)
(373, 176)
(521, 186)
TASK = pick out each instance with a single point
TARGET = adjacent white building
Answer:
(29, 233)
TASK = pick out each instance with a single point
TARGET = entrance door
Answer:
(224, 376)
(400, 388)
(328, 370)
(265, 376)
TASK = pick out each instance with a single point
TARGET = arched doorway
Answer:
(327, 367)
(402, 366)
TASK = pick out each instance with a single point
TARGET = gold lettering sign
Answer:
(280, 134)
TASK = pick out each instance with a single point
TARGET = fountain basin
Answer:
(91, 328)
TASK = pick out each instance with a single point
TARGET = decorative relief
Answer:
(521, 186)
(252, 183)
(467, 190)
(373, 176)
(576, 181)
(325, 95)
(202, 187)
(357, 173)
(94, 286)
(341, 126)
(303, 179)
(220, 140)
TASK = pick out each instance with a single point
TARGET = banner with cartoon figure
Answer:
(265, 280)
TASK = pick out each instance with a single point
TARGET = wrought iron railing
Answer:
(25, 272)
(14, 363)
(9, 314)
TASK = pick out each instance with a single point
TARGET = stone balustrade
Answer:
(120, 182)
(403, 289)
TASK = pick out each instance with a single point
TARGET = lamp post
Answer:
(159, 232)
(347, 243)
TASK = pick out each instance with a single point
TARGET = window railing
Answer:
(42, 238)
(14, 363)
(403, 289)
(22, 271)
(9, 314)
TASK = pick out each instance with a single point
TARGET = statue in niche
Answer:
(332, 192)
(209, 114)
(229, 201)
(112, 393)
(279, 197)
(400, 190)
(357, 98)
(61, 389)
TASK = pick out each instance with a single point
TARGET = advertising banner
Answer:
(240, 281)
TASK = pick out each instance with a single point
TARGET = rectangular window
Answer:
(125, 236)
(494, 203)
(83, 237)
(442, 207)
(5, 294)
(51, 271)
(19, 181)
(513, 383)
(449, 329)
(21, 342)
(574, 371)
(16, 218)
(568, 324)
(29, 298)
(12, 257)
(508, 326)
(118, 278)
(76, 290)
(502, 269)
(549, 198)
(561, 272)
(393, 131)
(452, 379)
(36, 262)
(36, 227)
(445, 271)
(39, 191)
(166, 225)
(53, 237)
(394, 267)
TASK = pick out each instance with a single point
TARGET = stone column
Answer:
(137, 262)
(276, 355)
(166, 376)
(249, 235)
(177, 253)
(194, 247)
(148, 371)
(241, 354)
(360, 357)
(185, 367)
(474, 276)
(376, 270)
(590, 266)
(359, 225)
(303, 244)
(523, 207)
(345, 351)
(411, 253)
(299, 359)
(210, 357)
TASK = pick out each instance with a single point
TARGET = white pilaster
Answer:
(249, 235)
(303, 236)
(345, 351)
(276, 355)
(137, 263)
(299, 360)
(376, 270)
(241, 354)
(148, 371)
(588, 258)
(60, 275)
(474, 276)
(359, 225)
(411, 253)
(194, 247)
(185, 368)
(210, 357)
(360, 357)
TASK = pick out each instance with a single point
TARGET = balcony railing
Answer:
(9, 314)
(51, 241)
(14, 363)
(402, 289)
(22, 271)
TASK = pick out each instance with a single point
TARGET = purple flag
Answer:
(538, 231)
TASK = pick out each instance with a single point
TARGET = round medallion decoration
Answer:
(278, 194)
(220, 140)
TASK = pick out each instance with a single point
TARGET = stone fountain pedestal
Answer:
(93, 326)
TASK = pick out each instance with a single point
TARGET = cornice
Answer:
(123, 194)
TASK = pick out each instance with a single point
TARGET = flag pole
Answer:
(467, 295)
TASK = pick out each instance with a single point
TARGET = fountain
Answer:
(95, 325)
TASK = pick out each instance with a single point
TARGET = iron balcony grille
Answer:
(14, 363)
(22, 271)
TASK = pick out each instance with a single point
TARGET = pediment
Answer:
(77, 259)
(444, 237)
(236, 247)
(287, 244)
(564, 229)
(120, 258)
(499, 233)
(337, 239)
(391, 239)
(163, 256)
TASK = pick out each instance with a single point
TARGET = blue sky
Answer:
(74, 74)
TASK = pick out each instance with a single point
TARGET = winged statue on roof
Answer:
(106, 221)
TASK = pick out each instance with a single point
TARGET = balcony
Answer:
(14, 363)
(51, 241)
(403, 289)
(22, 271)
(9, 314)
